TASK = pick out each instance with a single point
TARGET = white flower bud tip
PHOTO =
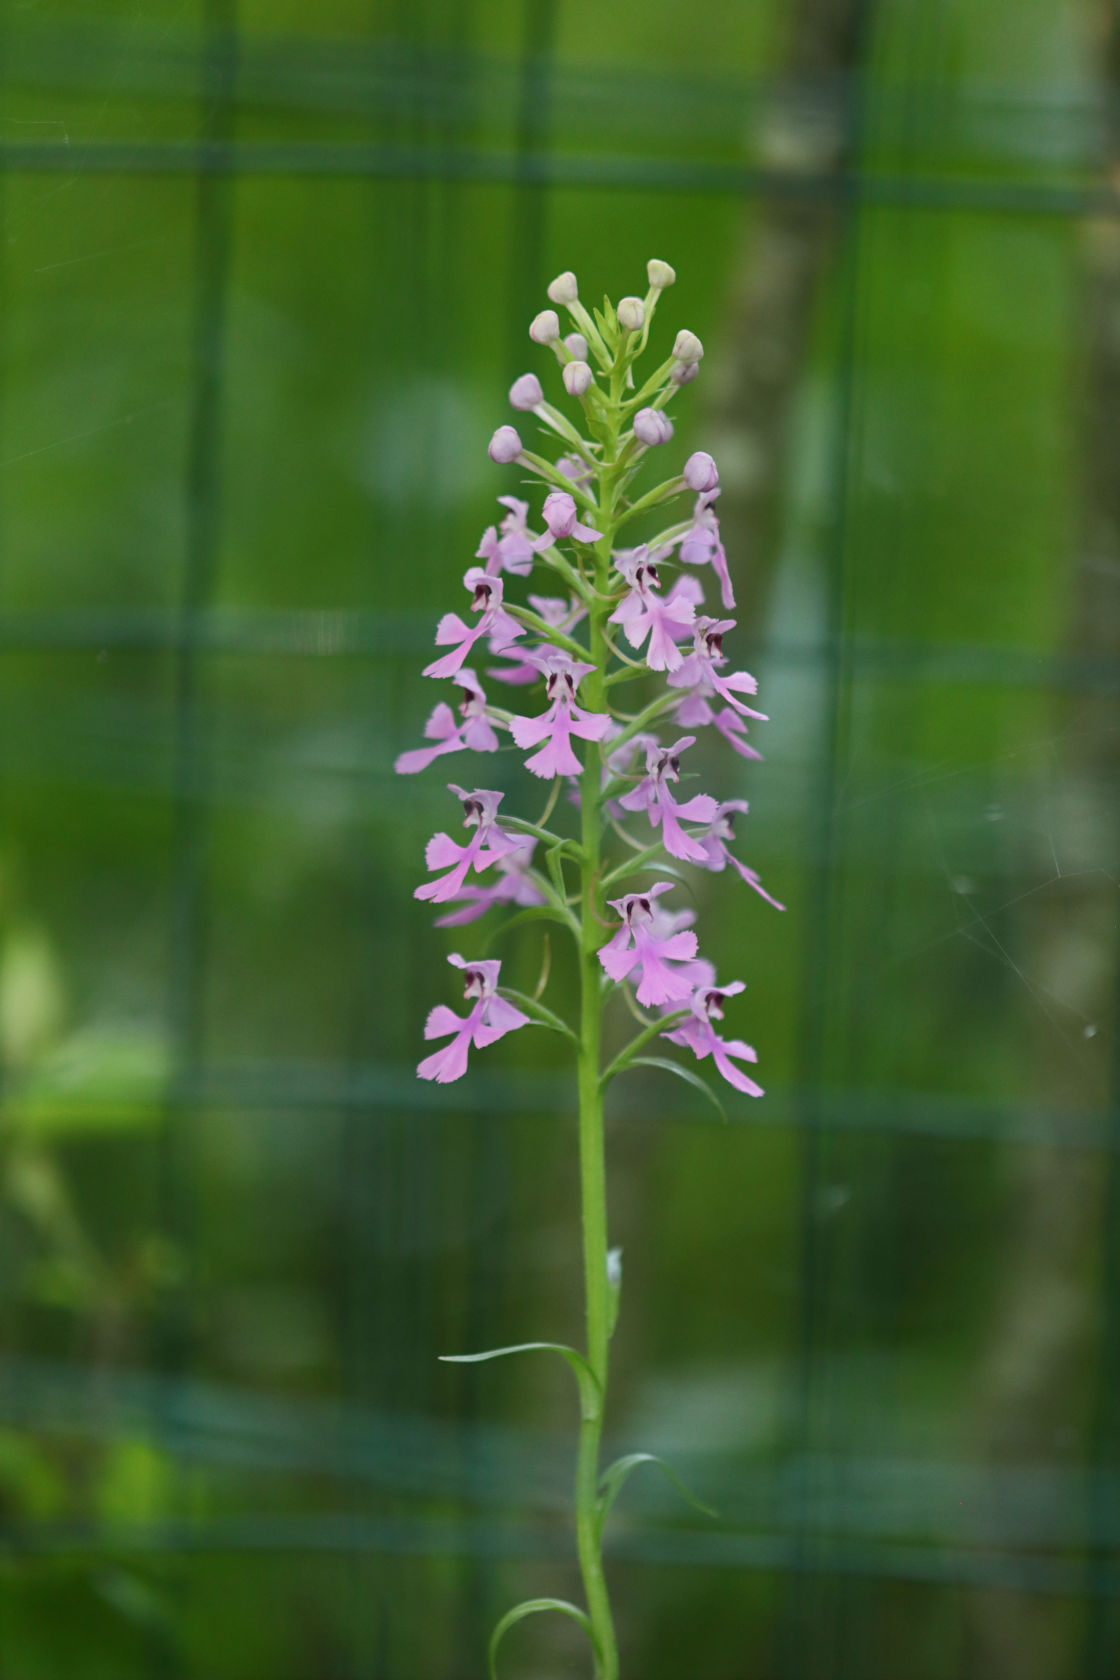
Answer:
(614, 1267)
(652, 427)
(545, 327)
(687, 347)
(660, 274)
(505, 446)
(577, 378)
(631, 313)
(576, 345)
(526, 392)
(701, 472)
(564, 289)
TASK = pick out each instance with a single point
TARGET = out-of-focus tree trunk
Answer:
(1050, 1389)
(787, 241)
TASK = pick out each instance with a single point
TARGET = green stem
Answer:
(593, 1177)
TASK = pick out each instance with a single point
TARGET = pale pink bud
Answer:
(701, 472)
(652, 427)
(545, 327)
(631, 313)
(526, 392)
(576, 345)
(560, 513)
(577, 378)
(660, 274)
(687, 347)
(505, 446)
(564, 288)
(683, 373)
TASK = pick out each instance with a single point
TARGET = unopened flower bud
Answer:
(505, 446)
(701, 472)
(631, 313)
(683, 373)
(577, 377)
(564, 289)
(614, 1256)
(526, 392)
(660, 274)
(560, 513)
(651, 426)
(687, 347)
(545, 327)
(576, 345)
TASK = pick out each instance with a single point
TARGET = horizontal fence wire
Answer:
(928, 1519)
(672, 175)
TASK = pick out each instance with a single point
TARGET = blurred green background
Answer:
(265, 276)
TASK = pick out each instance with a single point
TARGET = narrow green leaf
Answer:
(535, 913)
(540, 1013)
(650, 1029)
(684, 1073)
(616, 1474)
(590, 1393)
(537, 830)
(534, 1607)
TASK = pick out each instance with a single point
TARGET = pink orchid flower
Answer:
(701, 545)
(561, 721)
(644, 612)
(495, 622)
(513, 885)
(637, 945)
(490, 1019)
(474, 734)
(714, 839)
(698, 1034)
(654, 796)
(698, 672)
(486, 846)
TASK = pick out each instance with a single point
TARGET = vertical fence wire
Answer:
(202, 487)
(799, 1627)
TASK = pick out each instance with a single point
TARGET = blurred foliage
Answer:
(875, 1318)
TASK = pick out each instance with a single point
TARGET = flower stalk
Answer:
(569, 646)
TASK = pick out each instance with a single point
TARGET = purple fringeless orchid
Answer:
(561, 721)
(713, 841)
(654, 796)
(604, 755)
(486, 846)
(490, 1019)
(698, 1034)
(475, 733)
(512, 884)
(701, 546)
(644, 612)
(663, 979)
(494, 621)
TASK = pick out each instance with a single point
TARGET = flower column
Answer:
(652, 946)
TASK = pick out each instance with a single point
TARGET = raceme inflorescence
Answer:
(609, 617)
